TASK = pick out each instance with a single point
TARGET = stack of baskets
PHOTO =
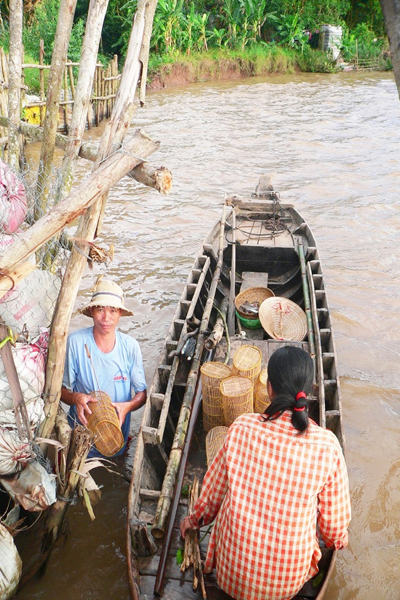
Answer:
(104, 424)
(227, 394)
(212, 373)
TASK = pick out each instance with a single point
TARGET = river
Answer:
(331, 143)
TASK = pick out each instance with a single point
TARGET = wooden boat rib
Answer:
(275, 247)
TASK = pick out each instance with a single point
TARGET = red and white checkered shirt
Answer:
(267, 488)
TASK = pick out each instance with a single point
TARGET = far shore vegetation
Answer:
(201, 40)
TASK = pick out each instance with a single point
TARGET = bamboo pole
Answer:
(307, 303)
(96, 94)
(14, 91)
(41, 81)
(144, 53)
(59, 57)
(167, 491)
(231, 309)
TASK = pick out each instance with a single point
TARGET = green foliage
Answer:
(316, 61)
(361, 42)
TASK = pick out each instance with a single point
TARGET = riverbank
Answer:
(181, 69)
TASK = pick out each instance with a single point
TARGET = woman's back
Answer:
(266, 528)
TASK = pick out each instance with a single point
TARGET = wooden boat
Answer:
(258, 238)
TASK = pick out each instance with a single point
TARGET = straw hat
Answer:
(107, 293)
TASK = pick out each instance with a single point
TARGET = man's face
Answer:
(105, 318)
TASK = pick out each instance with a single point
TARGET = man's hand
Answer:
(82, 402)
(122, 409)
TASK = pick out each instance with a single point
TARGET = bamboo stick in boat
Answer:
(231, 310)
(307, 303)
(219, 328)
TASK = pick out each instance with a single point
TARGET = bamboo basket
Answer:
(283, 319)
(104, 424)
(252, 295)
(261, 397)
(212, 373)
(247, 362)
(214, 440)
(237, 397)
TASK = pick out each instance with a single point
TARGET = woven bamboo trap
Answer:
(283, 319)
(212, 373)
(214, 440)
(247, 362)
(104, 424)
(261, 397)
(254, 295)
(237, 397)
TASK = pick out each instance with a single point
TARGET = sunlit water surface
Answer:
(332, 145)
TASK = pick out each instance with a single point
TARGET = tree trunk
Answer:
(59, 57)
(14, 93)
(391, 15)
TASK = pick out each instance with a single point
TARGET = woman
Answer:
(277, 480)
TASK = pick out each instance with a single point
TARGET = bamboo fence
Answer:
(105, 88)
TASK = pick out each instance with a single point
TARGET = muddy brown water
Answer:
(332, 145)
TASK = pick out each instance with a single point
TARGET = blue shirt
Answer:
(118, 373)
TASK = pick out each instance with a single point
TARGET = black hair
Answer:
(290, 371)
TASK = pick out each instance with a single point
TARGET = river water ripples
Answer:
(331, 143)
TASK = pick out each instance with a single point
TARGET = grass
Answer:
(254, 60)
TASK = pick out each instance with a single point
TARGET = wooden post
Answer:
(65, 111)
(91, 41)
(114, 72)
(96, 95)
(144, 52)
(41, 81)
(59, 57)
(124, 104)
(14, 92)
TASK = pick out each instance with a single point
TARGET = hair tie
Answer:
(298, 396)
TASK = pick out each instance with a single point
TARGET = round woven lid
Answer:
(246, 357)
(235, 385)
(283, 319)
(215, 369)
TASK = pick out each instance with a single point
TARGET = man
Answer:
(113, 365)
